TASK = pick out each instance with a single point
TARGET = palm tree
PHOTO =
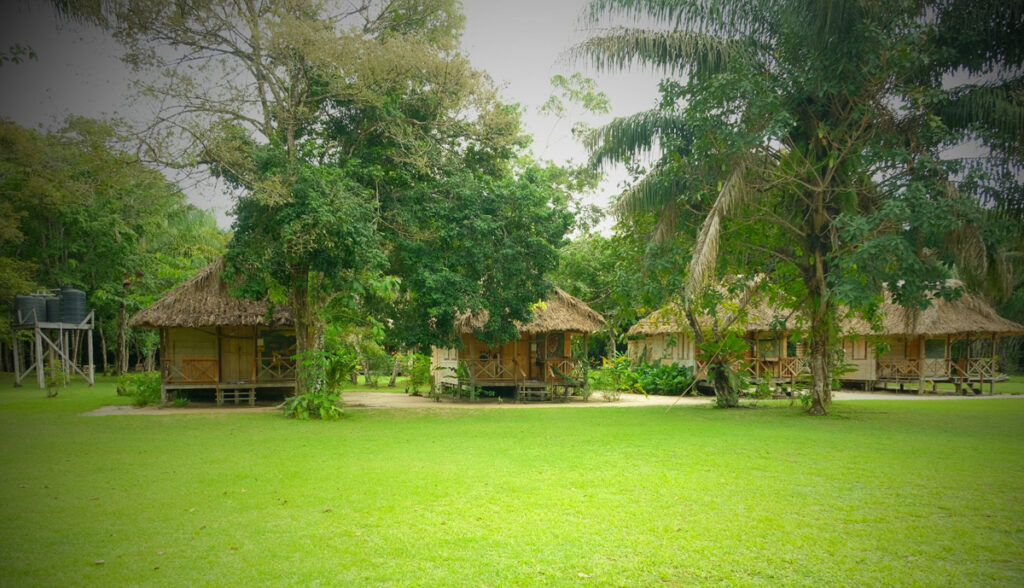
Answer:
(821, 121)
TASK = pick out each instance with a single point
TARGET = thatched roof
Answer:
(204, 301)
(671, 319)
(967, 315)
(560, 312)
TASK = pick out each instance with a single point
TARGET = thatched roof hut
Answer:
(967, 315)
(561, 312)
(204, 301)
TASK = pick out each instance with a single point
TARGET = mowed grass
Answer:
(879, 493)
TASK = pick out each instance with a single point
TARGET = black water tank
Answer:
(29, 309)
(53, 309)
(72, 305)
(23, 309)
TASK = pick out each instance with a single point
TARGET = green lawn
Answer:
(880, 493)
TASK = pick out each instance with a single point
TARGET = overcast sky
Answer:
(519, 43)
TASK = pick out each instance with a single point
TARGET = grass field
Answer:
(879, 493)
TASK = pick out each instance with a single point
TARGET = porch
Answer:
(962, 372)
(196, 373)
(543, 379)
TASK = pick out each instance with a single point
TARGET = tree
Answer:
(816, 122)
(358, 139)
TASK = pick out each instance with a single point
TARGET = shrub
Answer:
(664, 379)
(144, 389)
(419, 374)
(325, 372)
(317, 405)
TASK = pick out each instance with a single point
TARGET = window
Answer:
(935, 348)
(768, 347)
(683, 348)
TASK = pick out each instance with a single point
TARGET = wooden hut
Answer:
(665, 336)
(951, 341)
(540, 364)
(211, 340)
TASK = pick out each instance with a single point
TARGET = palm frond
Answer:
(705, 249)
(995, 112)
(632, 136)
(673, 52)
(729, 18)
(652, 193)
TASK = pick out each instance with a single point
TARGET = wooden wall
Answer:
(658, 348)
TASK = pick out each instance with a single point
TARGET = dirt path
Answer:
(387, 400)
(383, 400)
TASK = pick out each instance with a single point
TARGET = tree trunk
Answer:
(821, 393)
(394, 370)
(821, 385)
(309, 333)
(122, 340)
(103, 350)
(612, 351)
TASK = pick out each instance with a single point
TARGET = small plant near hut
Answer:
(180, 399)
(323, 401)
(419, 374)
(144, 389)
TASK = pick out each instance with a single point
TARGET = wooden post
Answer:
(16, 350)
(992, 381)
(920, 365)
(40, 376)
(220, 369)
(92, 368)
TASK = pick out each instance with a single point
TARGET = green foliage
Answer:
(78, 209)
(321, 405)
(325, 374)
(419, 373)
(802, 172)
(56, 380)
(143, 389)
(622, 375)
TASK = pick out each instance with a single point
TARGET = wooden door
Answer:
(237, 354)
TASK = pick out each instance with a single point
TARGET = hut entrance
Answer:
(237, 353)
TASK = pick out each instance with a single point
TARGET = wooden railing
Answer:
(983, 368)
(794, 367)
(490, 369)
(899, 368)
(914, 368)
(275, 367)
(189, 370)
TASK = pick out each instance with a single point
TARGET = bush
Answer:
(419, 374)
(144, 389)
(317, 405)
(325, 372)
(644, 378)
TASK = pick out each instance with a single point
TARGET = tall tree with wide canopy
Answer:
(821, 123)
(355, 134)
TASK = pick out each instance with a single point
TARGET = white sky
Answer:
(519, 43)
